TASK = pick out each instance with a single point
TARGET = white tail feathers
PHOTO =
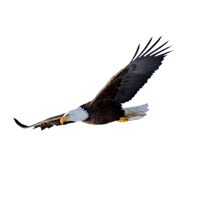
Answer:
(137, 112)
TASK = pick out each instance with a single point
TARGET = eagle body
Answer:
(107, 113)
(107, 107)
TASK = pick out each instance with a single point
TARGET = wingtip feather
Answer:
(20, 124)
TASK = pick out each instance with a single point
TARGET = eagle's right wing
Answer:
(124, 85)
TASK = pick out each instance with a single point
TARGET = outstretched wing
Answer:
(124, 85)
(47, 123)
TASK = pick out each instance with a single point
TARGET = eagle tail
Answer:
(137, 112)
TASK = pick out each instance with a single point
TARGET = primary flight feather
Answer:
(106, 106)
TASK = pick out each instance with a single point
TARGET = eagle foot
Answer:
(123, 119)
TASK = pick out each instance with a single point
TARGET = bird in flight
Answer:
(107, 107)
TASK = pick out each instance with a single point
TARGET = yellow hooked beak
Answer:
(63, 119)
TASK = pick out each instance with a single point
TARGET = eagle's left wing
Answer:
(47, 123)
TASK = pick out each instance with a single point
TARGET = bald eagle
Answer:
(107, 107)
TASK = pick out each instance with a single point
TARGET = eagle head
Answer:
(78, 114)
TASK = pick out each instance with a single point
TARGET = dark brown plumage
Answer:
(124, 85)
(106, 106)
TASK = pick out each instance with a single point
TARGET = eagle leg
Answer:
(123, 119)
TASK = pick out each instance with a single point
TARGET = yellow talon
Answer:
(123, 119)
